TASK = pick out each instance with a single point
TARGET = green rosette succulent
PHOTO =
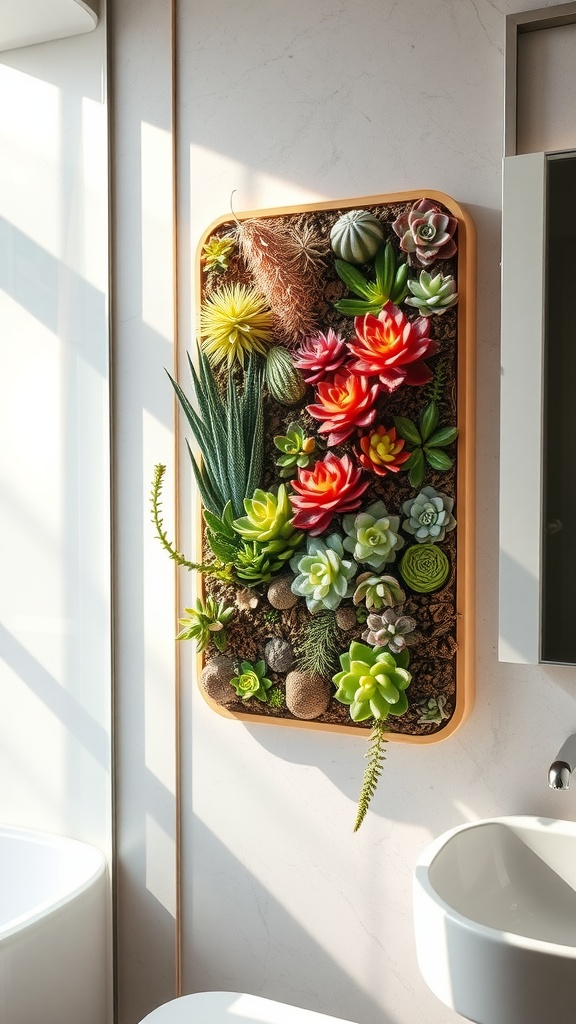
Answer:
(297, 450)
(372, 682)
(252, 681)
(268, 516)
(425, 568)
(429, 516)
(378, 591)
(432, 294)
(252, 566)
(206, 621)
(323, 573)
(267, 524)
(433, 710)
(373, 535)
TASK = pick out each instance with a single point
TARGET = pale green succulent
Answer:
(206, 621)
(268, 523)
(372, 682)
(252, 681)
(433, 710)
(297, 450)
(373, 535)
(432, 294)
(378, 591)
(252, 566)
(323, 573)
(429, 515)
(267, 516)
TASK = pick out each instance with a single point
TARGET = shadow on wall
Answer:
(285, 962)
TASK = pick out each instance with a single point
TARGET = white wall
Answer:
(55, 614)
(287, 103)
(55, 732)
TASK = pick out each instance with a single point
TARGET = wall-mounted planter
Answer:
(371, 481)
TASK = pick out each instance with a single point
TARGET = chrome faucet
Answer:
(561, 769)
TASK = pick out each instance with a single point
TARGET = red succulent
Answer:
(382, 452)
(320, 355)
(344, 403)
(333, 485)
(392, 347)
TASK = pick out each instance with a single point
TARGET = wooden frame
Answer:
(465, 489)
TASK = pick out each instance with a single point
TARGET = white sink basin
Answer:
(495, 920)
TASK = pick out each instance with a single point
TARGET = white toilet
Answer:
(234, 1008)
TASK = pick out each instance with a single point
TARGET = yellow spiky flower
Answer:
(234, 322)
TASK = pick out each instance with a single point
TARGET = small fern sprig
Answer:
(373, 770)
(435, 389)
(319, 647)
(217, 569)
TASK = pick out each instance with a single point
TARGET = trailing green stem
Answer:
(208, 568)
(373, 770)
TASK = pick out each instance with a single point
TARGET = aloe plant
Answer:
(390, 284)
(229, 432)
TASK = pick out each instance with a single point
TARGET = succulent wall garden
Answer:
(322, 399)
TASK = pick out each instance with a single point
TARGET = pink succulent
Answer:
(345, 402)
(320, 355)
(392, 347)
(333, 485)
(425, 233)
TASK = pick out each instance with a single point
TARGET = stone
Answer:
(280, 595)
(307, 694)
(346, 618)
(279, 655)
(215, 679)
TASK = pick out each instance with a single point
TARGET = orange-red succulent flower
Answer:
(333, 485)
(382, 452)
(345, 402)
(392, 348)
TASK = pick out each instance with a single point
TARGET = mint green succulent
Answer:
(268, 517)
(378, 591)
(372, 682)
(433, 710)
(373, 535)
(252, 681)
(323, 573)
(429, 515)
(206, 621)
(253, 567)
(297, 450)
(268, 525)
(432, 294)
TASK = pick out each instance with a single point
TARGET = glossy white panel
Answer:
(521, 403)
